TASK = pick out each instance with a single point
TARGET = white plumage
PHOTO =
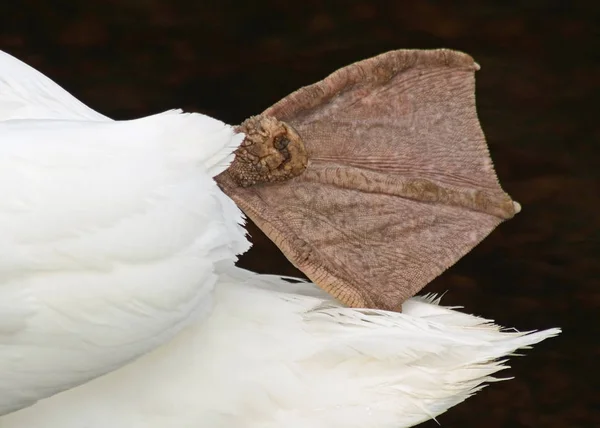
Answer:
(116, 243)
(111, 233)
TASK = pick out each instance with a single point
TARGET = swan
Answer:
(120, 301)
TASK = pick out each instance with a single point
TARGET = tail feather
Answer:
(276, 353)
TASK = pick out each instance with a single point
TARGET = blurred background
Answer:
(538, 103)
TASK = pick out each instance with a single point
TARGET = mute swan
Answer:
(120, 304)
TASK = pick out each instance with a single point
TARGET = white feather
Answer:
(270, 356)
(111, 235)
(25, 93)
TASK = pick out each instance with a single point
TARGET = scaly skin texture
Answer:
(272, 151)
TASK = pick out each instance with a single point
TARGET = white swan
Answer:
(118, 288)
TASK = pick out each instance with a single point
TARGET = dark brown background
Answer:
(538, 95)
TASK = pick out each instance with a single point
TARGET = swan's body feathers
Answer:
(272, 356)
(25, 93)
(112, 234)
